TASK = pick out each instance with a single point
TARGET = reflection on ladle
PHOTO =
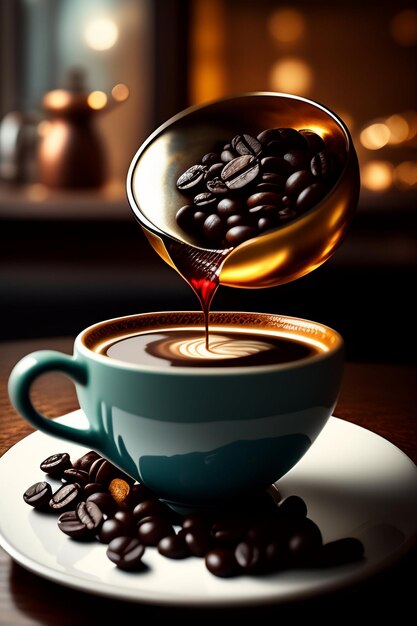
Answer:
(279, 256)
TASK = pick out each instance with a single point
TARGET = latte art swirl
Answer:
(221, 347)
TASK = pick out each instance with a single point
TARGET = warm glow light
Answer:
(101, 34)
(291, 75)
(44, 127)
(411, 119)
(57, 99)
(377, 175)
(97, 100)
(120, 92)
(286, 25)
(37, 192)
(404, 27)
(375, 136)
(405, 175)
(398, 127)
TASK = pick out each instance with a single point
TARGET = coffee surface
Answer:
(187, 348)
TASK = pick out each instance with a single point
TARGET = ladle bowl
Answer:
(279, 256)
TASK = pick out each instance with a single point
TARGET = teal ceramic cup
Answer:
(197, 436)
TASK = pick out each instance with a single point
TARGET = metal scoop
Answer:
(279, 256)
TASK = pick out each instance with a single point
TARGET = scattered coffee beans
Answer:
(259, 535)
(255, 184)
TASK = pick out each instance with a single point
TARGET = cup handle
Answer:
(21, 379)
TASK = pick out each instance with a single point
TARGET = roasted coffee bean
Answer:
(139, 493)
(240, 172)
(268, 135)
(214, 171)
(265, 198)
(310, 197)
(264, 210)
(229, 206)
(248, 556)
(173, 547)
(102, 471)
(262, 187)
(184, 217)
(86, 460)
(323, 165)
(293, 506)
(126, 553)
(73, 475)
(276, 553)
(70, 524)
(266, 223)
(205, 200)
(191, 178)
(210, 158)
(217, 186)
(104, 501)
(341, 552)
(197, 539)
(66, 497)
(236, 220)
(227, 156)
(246, 144)
(152, 530)
(297, 159)
(263, 530)
(314, 142)
(55, 464)
(221, 562)
(199, 219)
(228, 531)
(89, 514)
(196, 520)
(287, 215)
(239, 234)
(150, 507)
(291, 139)
(91, 488)
(305, 543)
(214, 228)
(127, 518)
(38, 495)
(273, 179)
(112, 528)
(275, 165)
(297, 182)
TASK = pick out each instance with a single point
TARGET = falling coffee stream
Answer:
(201, 269)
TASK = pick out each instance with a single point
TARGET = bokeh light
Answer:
(291, 75)
(377, 175)
(120, 92)
(286, 25)
(101, 34)
(405, 175)
(375, 136)
(398, 127)
(97, 100)
(403, 27)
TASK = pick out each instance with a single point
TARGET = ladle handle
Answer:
(25, 373)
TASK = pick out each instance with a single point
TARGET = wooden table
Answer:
(382, 398)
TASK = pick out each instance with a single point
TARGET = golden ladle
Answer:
(279, 256)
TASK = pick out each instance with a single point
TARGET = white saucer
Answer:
(354, 482)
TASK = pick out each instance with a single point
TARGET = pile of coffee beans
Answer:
(255, 184)
(261, 534)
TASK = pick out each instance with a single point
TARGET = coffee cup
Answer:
(197, 427)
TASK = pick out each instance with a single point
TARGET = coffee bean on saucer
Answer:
(127, 518)
(55, 464)
(198, 540)
(314, 142)
(112, 528)
(126, 553)
(310, 196)
(91, 488)
(240, 171)
(228, 531)
(86, 460)
(152, 530)
(119, 490)
(196, 520)
(150, 507)
(173, 547)
(139, 493)
(248, 556)
(209, 159)
(104, 501)
(70, 524)
(65, 497)
(102, 471)
(73, 475)
(298, 181)
(239, 234)
(89, 514)
(341, 552)
(305, 543)
(221, 562)
(214, 228)
(323, 165)
(229, 206)
(38, 495)
(191, 178)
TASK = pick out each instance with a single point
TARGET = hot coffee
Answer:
(228, 348)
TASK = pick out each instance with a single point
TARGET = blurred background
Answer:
(93, 78)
